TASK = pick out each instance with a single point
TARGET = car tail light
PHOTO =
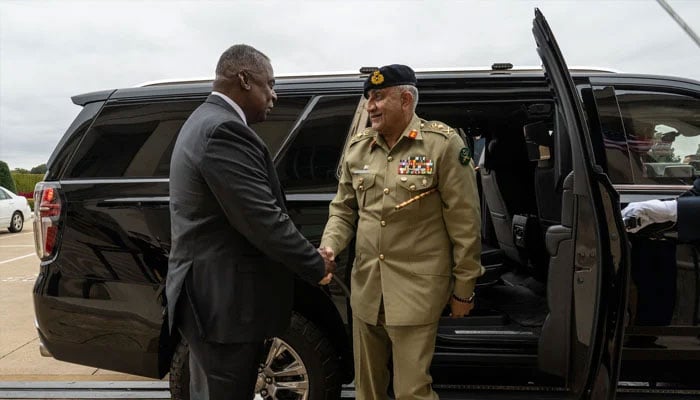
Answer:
(47, 218)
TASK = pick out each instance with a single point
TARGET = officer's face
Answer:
(386, 110)
(260, 96)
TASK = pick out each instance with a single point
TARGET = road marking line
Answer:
(18, 245)
(14, 235)
(17, 258)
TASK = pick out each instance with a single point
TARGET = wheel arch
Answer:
(316, 306)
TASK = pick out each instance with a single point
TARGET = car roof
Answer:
(343, 82)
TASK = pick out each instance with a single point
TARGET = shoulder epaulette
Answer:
(364, 134)
(437, 127)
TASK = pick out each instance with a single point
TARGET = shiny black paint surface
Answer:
(104, 291)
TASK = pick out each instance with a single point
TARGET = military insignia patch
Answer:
(419, 165)
(413, 134)
(464, 156)
(377, 78)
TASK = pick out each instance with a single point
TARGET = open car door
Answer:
(581, 339)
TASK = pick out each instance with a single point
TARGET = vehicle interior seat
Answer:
(492, 258)
(506, 178)
(540, 147)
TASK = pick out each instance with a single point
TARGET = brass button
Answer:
(382, 223)
(381, 256)
(412, 187)
(386, 190)
(404, 179)
(361, 180)
(390, 158)
(361, 187)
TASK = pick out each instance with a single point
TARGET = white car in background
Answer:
(14, 210)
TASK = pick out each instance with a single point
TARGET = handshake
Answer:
(329, 259)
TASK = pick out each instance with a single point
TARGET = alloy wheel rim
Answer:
(283, 375)
(17, 222)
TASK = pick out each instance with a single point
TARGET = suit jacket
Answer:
(689, 214)
(234, 247)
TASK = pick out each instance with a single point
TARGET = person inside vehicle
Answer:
(683, 211)
(654, 272)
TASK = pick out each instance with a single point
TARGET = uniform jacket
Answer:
(689, 214)
(233, 244)
(414, 257)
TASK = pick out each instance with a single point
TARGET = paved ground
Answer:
(19, 344)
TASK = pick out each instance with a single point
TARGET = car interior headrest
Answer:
(538, 140)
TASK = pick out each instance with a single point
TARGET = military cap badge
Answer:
(377, 78)
(389, 75)
(464, 156)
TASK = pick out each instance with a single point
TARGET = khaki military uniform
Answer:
(409, 259)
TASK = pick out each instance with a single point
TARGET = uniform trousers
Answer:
(411, 348)
(217, 370)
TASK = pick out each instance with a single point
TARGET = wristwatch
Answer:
(469, 299)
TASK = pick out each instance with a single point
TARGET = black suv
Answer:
(559, 152)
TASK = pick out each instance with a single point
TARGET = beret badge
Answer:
(377, 78)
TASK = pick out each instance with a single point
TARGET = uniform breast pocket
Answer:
(364, 186)
(408, 187)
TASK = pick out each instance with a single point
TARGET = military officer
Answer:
(408, 191)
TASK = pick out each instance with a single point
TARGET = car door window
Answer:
(132, 140)
(310, 161)
(275, 129)
(663, 135)
(617, 154)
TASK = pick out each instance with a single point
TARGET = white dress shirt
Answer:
(233, 104)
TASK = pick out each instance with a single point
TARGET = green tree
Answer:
(20, 171)
(6, 180)
(39, 169)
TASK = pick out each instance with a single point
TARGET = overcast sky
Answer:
(50, 51)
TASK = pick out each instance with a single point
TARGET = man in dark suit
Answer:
(234, 248)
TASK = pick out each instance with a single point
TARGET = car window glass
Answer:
(617, 156)
(276, 127)
(309, 164)
(663, 135)
(134, 140)
(3, 195)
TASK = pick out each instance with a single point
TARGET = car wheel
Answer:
(17, 222)
(300, 365)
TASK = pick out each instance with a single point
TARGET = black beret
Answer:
(390, 75)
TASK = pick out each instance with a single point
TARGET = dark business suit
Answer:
(234, 249)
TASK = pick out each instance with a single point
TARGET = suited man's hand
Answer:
(326, 280)
(329, 260)
(328, 257)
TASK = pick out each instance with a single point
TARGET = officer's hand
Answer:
(640, 214)
(328, 257)
(459, 309)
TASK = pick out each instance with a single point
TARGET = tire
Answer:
(303, 342)
(16, 222)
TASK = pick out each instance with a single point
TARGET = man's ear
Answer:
(406, 99)
(243, 79)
